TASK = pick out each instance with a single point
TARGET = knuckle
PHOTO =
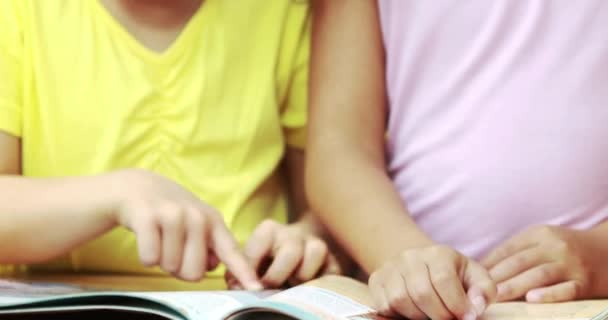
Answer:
(170, 215)
(173, 220)
(407, 255)
(169, 208)
(444, 252)
(437, 249)
(195, 217)
(415, 254)
(561, 247)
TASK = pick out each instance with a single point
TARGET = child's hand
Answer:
(287, 253)
(430, 282)
(544, 264)
(176, 230)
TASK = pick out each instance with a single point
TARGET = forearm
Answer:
(358, 203)
(45, 218)
(347, 183)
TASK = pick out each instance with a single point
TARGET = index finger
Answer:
(481, 288)
(227, 250)
(508, 248)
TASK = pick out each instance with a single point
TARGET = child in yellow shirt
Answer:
(170, 118)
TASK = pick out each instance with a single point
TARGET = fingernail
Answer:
(534, 296)
(470, 316)
(479, 303)
(255, 286)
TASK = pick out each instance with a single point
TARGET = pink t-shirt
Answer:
(498, 115)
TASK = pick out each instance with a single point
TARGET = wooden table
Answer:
(125, 282)
(504, 311)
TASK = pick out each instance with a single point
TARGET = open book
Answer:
(330, 297)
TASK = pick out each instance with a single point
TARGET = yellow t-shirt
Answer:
(214, 112)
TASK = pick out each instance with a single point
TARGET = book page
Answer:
(14, 288)
(576, 310)
(198, 305)
(12, 292)
(193, 304)
(331, 297)
(321, 302)
(347, 287)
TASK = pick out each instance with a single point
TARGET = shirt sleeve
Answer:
(295, 103)
(11, 47)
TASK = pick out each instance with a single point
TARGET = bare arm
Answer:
(44, 218)
(347, 181)
(296, 168)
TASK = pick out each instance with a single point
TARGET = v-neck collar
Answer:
(167, 55)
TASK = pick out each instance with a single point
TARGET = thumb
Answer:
(481, 289)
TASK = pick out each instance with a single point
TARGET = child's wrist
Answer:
(110, 193)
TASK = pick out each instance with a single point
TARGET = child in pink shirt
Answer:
(459, 150)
